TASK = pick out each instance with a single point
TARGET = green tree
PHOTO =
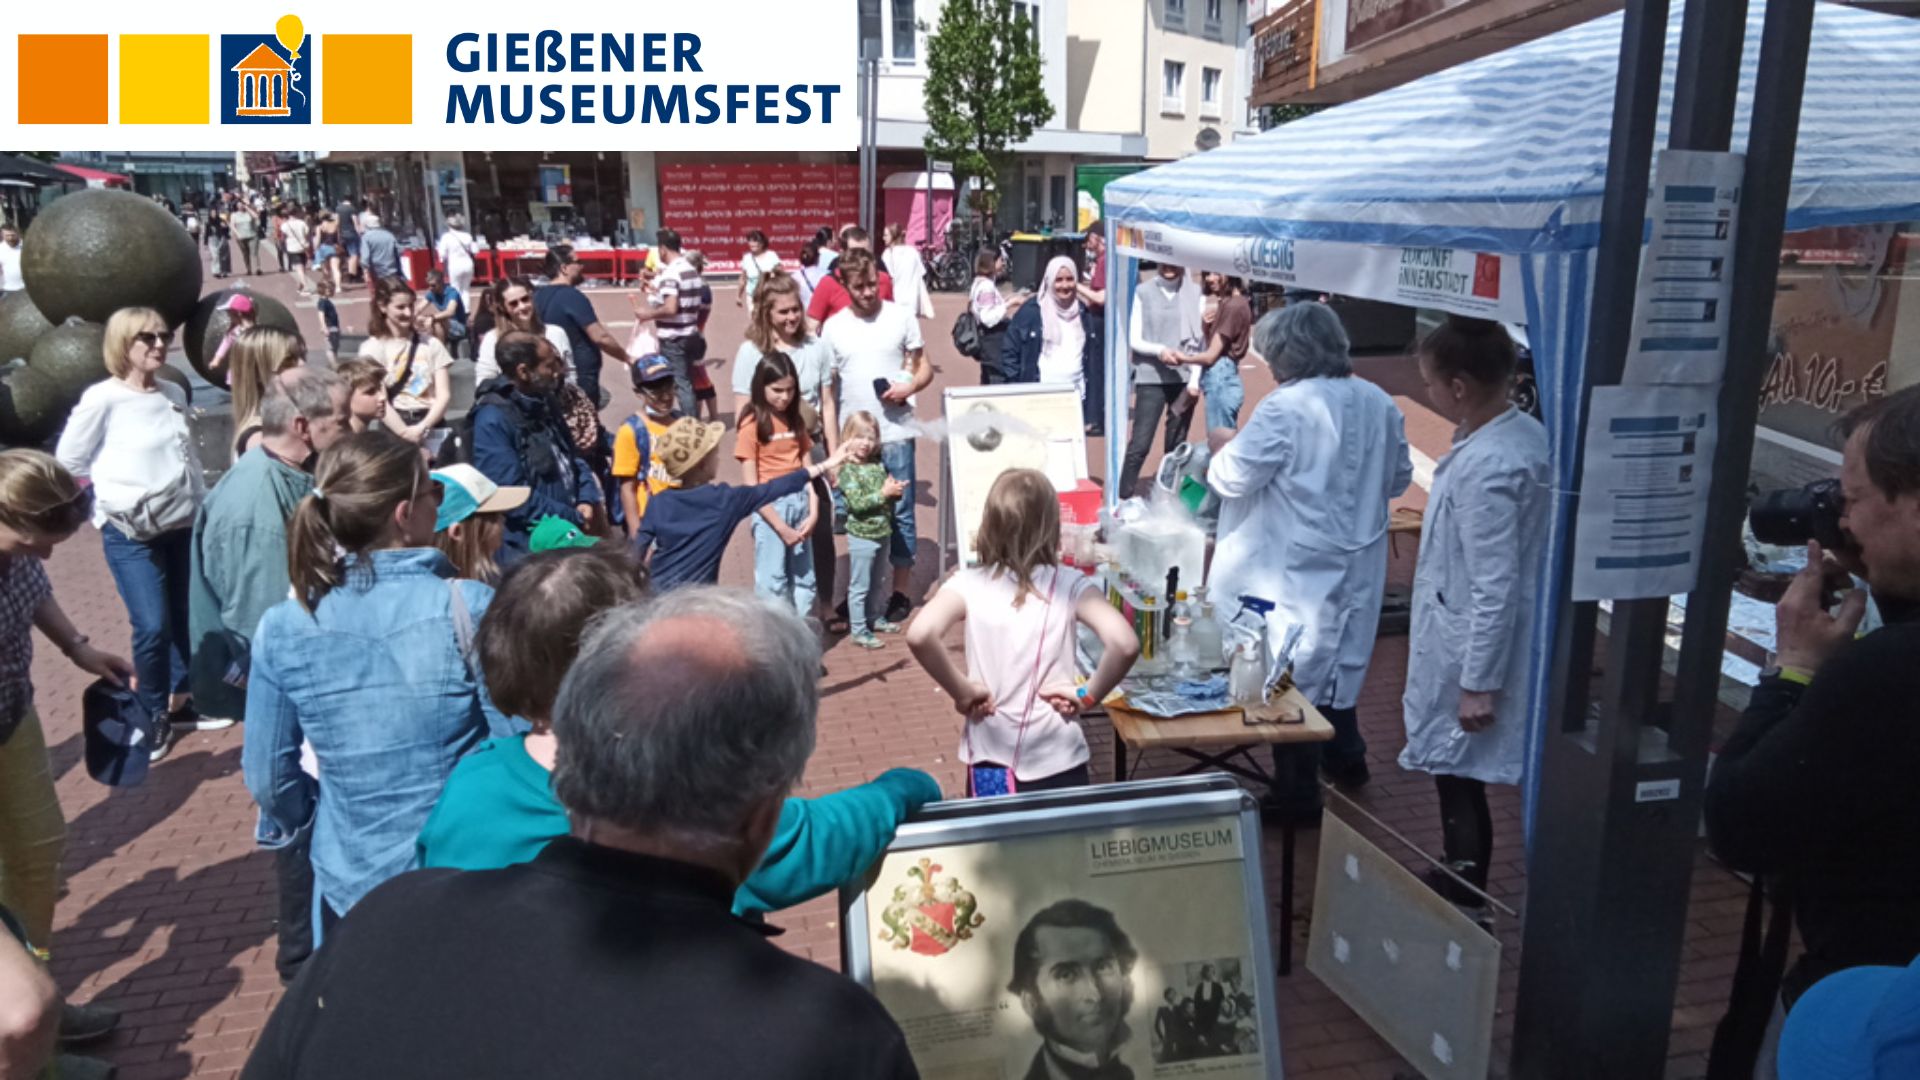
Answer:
(983, 90)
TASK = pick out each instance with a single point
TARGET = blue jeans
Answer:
(1223, 393)
(863, 558)
(898, 459)
(781, 571)
(682, 353)
(152, 578)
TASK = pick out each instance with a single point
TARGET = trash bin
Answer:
(1028, 257)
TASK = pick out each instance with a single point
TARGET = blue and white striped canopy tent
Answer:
(1478, 190)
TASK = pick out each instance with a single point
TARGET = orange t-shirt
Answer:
(784, 453)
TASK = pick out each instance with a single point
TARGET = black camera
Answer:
(1794, 516)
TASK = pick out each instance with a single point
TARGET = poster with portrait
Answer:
(1124, 939)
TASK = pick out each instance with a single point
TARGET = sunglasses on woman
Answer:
(154, 339)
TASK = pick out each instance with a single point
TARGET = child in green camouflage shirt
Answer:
(869, 493)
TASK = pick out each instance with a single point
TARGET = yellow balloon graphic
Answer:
(291, 33)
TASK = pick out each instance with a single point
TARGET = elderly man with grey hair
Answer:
(1304, 491)
(239, 570)
(682, 725)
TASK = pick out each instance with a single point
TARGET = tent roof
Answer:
(107, 179)
(1509, 152)
(21, 167)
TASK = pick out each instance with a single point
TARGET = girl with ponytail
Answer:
(371, 663)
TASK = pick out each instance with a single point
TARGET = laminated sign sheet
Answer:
(1643, 491)
(1124, 949)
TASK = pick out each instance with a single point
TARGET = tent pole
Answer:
(1123, 273)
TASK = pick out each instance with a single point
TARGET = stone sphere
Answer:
(208, 324)
(96, 251)
(32, 407)
(71, 357)
(21, 324)
(178, 378)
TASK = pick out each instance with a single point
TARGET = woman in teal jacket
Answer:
(499, 809)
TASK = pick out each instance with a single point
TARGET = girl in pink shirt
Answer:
(1020, 607)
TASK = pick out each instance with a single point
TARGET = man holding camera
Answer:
(1818, 789)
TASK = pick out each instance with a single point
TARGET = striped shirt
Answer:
(680, 279)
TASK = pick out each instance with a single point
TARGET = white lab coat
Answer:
(1481, 548)
(1304, 489)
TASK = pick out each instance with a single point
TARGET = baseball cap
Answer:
(651, 368)
(466, 491)
(238, 302)
(1861, 1024)
(552, 533)
(685, 444)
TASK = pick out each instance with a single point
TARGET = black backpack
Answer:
(968, 337)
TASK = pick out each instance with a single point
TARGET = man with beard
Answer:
(1073, 973)
(520, 440)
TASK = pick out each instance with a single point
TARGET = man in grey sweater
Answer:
(1164, 331)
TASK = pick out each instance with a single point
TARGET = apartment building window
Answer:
(1173, 88)
(904, 28)
(1032, 11)
(1213, 12)
(1209, 91)
(1176, 14)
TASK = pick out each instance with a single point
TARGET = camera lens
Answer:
(1794, 516)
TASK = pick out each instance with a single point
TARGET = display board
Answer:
(1417, 970)
(990, 429)
(713, 207)
(1125, 930)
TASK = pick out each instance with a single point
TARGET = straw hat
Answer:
(686, 444)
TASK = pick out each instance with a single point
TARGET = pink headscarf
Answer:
(1054, 314)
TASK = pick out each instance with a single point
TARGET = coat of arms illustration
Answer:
(929, 914)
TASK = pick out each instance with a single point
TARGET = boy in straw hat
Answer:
(686, 529)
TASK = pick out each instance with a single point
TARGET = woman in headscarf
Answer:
(1047, 341)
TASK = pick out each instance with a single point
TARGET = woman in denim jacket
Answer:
(371, 663)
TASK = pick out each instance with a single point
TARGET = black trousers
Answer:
(1093, 365)
(1149, 401)
(1296, 769)
(1466, 826)
(293, 871)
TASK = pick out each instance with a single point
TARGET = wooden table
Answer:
(1225, 741)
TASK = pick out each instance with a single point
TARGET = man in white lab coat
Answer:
(1303, 524)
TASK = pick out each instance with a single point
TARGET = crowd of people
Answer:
(578, 723)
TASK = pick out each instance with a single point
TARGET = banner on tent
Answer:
(1477, 283)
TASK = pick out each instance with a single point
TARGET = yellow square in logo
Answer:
(366, 78)
(163, 78)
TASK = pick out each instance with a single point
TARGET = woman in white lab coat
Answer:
(1304, 489)
(1473, 592)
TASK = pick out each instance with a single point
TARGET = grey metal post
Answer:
(1607, 906)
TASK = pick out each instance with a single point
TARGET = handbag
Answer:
(988, 780)
(160, 511)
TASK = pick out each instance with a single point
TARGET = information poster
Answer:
(1113, 952)
(993, 429)
(713, 207)
(1643, 491)
(1686, 275)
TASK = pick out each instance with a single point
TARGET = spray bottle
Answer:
(1249, 653)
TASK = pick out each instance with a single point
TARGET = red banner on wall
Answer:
(713, 207)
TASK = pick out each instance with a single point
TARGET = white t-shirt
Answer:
(869, 349)
(129, 442)
(10, 279)
(293, 234)
(456, 251)
(392, 353)
(909, 272)
(487, 366)
(1018, 652)
(1061, 362)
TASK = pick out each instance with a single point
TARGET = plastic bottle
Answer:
(1208, 642)
(1180, 650)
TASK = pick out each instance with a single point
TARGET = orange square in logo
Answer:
(366, 78)
(63, 78)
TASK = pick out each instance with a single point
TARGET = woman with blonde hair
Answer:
(1020, 607)
(379, 626)
(260, 354)
(129, 436)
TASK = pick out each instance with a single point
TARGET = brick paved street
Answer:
(169, 910)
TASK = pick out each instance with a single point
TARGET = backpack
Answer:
(968, 338)
(458, 447)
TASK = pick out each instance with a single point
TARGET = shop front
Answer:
(540, 196)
